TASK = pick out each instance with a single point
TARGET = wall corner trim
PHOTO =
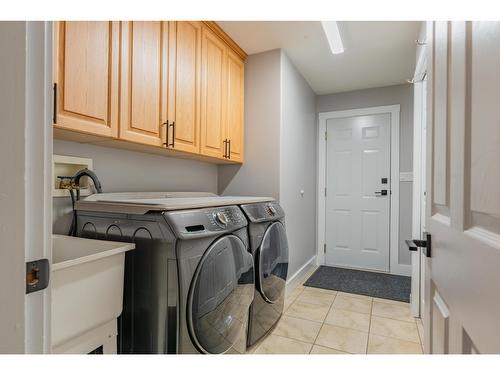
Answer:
(296, 278)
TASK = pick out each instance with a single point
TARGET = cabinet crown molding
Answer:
(226, 38)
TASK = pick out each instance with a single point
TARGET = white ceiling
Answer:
(376, 53)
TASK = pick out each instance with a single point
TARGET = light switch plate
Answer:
(406, 176)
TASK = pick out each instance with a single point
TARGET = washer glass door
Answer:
(220, 295)
(273, 262)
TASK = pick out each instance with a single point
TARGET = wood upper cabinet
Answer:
(144, 82)
(234, 117)
(222, 99)
(213, 95)
(185, 86)
(168, 84)
(86, 76)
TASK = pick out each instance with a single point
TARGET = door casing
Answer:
(394, 111)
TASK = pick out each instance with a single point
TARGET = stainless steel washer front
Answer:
(220, 294)
(272, 264)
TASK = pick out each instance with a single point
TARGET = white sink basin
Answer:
(87, 287)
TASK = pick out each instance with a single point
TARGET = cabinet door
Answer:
(212, 95)
(144, 68)
(184, 108)
(86, 74)
(234, 107)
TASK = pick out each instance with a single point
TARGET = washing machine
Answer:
(269, 248)
(190, 282)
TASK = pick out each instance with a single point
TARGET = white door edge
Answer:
(394, 111)
(38, 231)
(418, 180)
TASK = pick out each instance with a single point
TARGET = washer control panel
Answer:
(224, 217)
(267, 211)
(206, 221)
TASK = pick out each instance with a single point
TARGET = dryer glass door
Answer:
(273, 262)
(220, 295)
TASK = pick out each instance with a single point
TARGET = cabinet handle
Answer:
(173, 134)
(229, 146)
(224, 142)
(54, 98)
(165, 124)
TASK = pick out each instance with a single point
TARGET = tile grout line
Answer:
(369, 327)
(418, 332)
(326, 347)
(323, 323)
(393, 337)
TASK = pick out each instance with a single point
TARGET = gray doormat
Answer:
(367, 283)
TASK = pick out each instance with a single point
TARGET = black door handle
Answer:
(381, 193)
(413, 245)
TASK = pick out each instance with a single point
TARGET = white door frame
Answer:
(419, 160)
(393, 110)
(26, 195)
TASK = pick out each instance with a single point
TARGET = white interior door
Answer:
(462, 277)
(357, 217)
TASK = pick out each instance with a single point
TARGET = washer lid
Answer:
(220, 295)
(273, 263)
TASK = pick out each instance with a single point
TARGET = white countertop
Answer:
(140, 203)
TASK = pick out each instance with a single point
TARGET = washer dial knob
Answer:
(221, 218)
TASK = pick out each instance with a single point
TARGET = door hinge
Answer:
(326, 136)
(37, 275)
(324, 248)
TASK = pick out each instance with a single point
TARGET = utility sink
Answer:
(87, 292)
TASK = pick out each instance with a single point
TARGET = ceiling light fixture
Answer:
(332, 33)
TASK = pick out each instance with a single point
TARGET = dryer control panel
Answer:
(205, 222)
(267, 211)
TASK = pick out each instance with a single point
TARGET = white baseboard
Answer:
(297, 277)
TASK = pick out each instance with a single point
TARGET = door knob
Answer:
(413, 245)
(381, 193)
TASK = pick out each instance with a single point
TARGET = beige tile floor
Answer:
(320, 321)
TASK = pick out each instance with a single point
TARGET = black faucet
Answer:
(76, 181)
(91, 175)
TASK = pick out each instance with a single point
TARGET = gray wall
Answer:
(399, 94)
(280, 148)
(259, 175)
(298, 164)
(121, 170)
(12, 185)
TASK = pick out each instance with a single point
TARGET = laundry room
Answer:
(244, 154)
